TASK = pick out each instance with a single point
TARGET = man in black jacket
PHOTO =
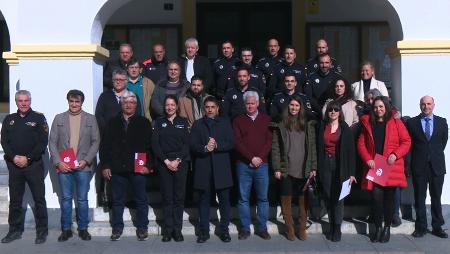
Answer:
(125, 55)
(155, 68)
(127, 135)
(429, 135)
(192, 64)
(211, 143)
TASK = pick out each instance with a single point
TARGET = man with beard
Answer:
(257, 78)
(312, 65)
(191, 105)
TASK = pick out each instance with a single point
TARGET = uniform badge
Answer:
(32, 124)
(221, 67)
(11, 123)
(297, 71)
(266, 65)
(308, 105)
(282, 71)
(179, 126)
(281, 100)
(164, 125)
(234, 96)
(315, 66)
(253, 76)
(233, 67)
(317, 81)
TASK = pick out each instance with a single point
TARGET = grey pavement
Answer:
(316, 243)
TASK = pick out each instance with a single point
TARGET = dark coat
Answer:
(120, 145)
(423, 150)
(216, 162)
(202, 67)
(345, 157)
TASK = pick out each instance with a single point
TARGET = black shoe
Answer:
(243, 235)
(65, 235)
(439, 233)
(396, 221)
(419, 233)
(178, 237)
(337, 234)
(166, 238)
(116, 234)
(329, 234)
(84, 235)
(142, 234)
(41, 237)
(385, 235)
(203, 237)
(376, 235)
(263, 234)
(225, 236)
(11, 236)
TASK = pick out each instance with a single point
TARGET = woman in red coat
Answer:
(383, 134)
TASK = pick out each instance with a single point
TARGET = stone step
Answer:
(273, 227)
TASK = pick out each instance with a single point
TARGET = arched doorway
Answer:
(5, 45)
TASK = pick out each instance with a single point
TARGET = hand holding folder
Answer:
(380, 173)
(69, 159)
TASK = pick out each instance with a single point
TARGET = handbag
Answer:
(315, 201)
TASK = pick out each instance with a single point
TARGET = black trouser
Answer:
(34, 176)
(291, 186)
(173, 188)
(224, 208)
(435, 184)
(335, 208)
(383, 204)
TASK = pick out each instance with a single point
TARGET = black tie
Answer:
(427, 128)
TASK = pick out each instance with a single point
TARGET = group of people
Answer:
(169, 116)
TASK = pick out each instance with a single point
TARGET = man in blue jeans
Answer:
(253, 142)
(76, 130)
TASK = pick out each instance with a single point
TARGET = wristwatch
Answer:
(178, 159)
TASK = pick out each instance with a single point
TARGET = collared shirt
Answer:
(137, 89)
(423, 122)
(253, 117)
(189, 68)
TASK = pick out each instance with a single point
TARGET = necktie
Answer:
(427, 128)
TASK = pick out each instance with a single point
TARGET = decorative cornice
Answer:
(60, 51)
(420, 47)
(10, 58)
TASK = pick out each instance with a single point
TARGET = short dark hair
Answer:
(243, 68)
(227, 41)
(196, 77)
(134, 61)
(290, 74)
(289, 47)
(211, 99)
(246, 49)
(75, 94)
(325, 55)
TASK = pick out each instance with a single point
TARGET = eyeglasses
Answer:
(333, 110)
(119, 80)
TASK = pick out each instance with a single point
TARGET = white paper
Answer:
(346, 188)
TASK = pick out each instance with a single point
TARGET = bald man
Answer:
(312, 65)
(429, 134)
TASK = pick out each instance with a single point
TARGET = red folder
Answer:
(69, 158)
(140, 162)
(379, 174)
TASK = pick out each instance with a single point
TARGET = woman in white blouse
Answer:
(367, 83)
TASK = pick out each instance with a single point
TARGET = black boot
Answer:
(386, 235)
(376, 235)
(330, 233)
(336, 233)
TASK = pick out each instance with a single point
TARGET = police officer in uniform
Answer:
(288, 65)
(319, 82)
(233, 102)
(257, 78)
(268, 63)
(155, 68)
(24, 138)
(312, 65)
(224, 69)
(281, 99)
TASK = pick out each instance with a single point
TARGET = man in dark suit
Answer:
(429, 134)
(192, 64)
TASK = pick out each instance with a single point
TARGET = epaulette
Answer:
(262, 59)
(217, 60)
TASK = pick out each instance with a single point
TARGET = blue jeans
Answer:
(81, 180)
(119, 187)
(259, 177)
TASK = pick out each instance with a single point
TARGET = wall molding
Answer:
(420, 47)
(59, 51)
(10, 58)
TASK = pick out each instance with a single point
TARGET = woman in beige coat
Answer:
(341, 93)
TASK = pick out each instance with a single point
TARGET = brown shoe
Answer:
(243, 235)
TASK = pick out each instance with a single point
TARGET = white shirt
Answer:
(189, 69)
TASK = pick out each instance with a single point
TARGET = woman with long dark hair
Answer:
(294, 160)
(341, 93)
(383, 134)
(335, 164)
(170, 143)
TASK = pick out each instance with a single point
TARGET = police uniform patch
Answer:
(266, 65)
(164, 125)
(233, 67)
(308, 105)
(317, 81)
(234, 96)
(253, 76)
(11, 123)
(221, 67)
(315, 66)
(281, 100)
(32, 124)
(179, 126)
(282, 71)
